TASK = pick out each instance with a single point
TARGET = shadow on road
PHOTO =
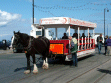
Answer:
(104, 71)
(80, 59)
(24, 68)
(53, 62)
(18, 69)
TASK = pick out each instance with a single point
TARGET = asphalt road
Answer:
(92, 69)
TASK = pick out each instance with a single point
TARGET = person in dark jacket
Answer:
(65, 36)
(99, 42)
(105, 44)
(109, 46)
(75, 35)
(73, 47)
(83, 35)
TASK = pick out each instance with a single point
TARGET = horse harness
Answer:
(29, 45)
(44, 42)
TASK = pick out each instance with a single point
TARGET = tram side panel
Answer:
(59, 47)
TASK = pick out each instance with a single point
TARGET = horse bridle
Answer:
(15, 40)
(18, 40)
(26, 47)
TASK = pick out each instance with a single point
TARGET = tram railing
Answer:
(62, 46)
(86, 44)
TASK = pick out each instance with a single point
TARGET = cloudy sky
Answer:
(17, 14)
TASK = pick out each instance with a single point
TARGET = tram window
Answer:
(49, 33)
(38, 33)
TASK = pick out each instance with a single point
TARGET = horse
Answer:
(33, 46)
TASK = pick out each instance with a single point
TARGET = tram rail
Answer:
(89, 71)
(62, 68)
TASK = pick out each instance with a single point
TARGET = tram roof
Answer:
(57, 22)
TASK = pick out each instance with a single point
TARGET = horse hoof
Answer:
(27, 72)
(45, 67)
(35, 71)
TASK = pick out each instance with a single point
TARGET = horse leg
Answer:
(35, 69)
(47, 65)
(45, 62)
(28, 64)
(43, 66)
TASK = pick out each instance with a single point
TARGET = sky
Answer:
(16, 15)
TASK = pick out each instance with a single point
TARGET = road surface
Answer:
(92, 69)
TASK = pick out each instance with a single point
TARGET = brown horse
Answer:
(31, 47)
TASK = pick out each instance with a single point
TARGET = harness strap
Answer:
(29, 44)
(44, 42)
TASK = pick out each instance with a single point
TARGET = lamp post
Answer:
(33, 11)
(107, 28)
(104, 19)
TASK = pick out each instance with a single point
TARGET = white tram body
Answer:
(65, 22)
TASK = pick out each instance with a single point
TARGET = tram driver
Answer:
(73, 48)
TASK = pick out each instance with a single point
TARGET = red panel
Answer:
(56, 48)
(64, 42)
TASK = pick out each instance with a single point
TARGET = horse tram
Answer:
(60, 47)
(48, 47)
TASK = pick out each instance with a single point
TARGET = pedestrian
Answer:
(73, 49)
(105, 44)
(109, 46)
(99, 43)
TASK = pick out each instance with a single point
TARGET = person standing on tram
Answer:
(75, 35)
(65, 36)
(73, 48)
(99, 43)
(89, 35)
(89, 40)
(83, 35)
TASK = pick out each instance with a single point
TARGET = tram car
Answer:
(59, 47)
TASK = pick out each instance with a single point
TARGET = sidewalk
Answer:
(6, 51)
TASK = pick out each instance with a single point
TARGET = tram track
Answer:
(53, 68)
(24, 77)
(30, 75)
(100, 78)
(89, 71)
